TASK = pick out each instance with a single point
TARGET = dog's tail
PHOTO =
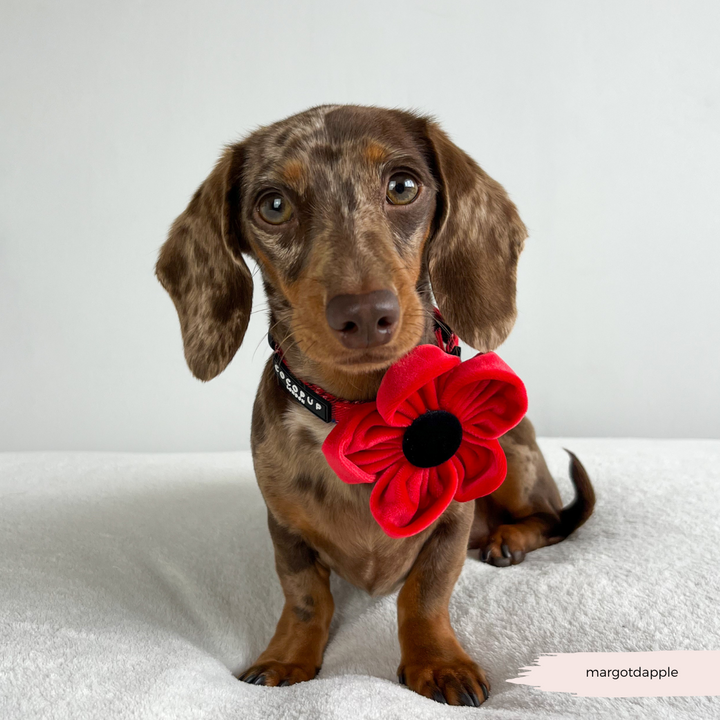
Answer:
(581, 508)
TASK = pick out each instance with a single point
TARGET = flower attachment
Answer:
(430, 437)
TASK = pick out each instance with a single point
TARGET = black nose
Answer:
(363, 321)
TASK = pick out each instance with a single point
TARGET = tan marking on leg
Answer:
(295, 652)
(433, 662)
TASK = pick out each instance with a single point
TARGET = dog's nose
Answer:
(363, 321)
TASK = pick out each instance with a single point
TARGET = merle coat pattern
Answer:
(459, 239)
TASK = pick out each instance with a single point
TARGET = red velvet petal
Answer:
(484, 468)
(408, 388)
(377, 461)
(343, 439)
(485, 395)
(370, 432)
(406, 499)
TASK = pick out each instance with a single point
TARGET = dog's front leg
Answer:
(295, 651)
(433, 662)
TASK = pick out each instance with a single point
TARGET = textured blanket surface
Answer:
(132, 586)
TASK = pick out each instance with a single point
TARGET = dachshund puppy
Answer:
(357, 217)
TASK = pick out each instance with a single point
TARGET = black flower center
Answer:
(433, 438)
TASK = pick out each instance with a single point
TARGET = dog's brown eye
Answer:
(274, 208)
(402, 189)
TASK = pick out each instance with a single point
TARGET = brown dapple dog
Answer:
(357, 217)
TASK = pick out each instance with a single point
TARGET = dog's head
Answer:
(350, 212)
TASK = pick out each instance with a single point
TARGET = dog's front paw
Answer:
(453, 682)
(275, 673)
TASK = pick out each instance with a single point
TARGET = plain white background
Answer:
(602, 119)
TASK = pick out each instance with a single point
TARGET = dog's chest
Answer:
(334, 517)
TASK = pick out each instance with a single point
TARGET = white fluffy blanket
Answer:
(132, 586)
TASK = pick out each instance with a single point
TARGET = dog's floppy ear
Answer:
(473, 253)
(201, 267)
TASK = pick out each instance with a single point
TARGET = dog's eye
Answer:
(402, 189)
(274, 208)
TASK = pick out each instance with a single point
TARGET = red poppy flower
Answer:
(430, 437)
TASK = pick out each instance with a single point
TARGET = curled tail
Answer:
(580, 509)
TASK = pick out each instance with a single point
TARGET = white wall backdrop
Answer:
(602, 119)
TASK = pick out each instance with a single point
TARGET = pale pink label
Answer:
(626, 674)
